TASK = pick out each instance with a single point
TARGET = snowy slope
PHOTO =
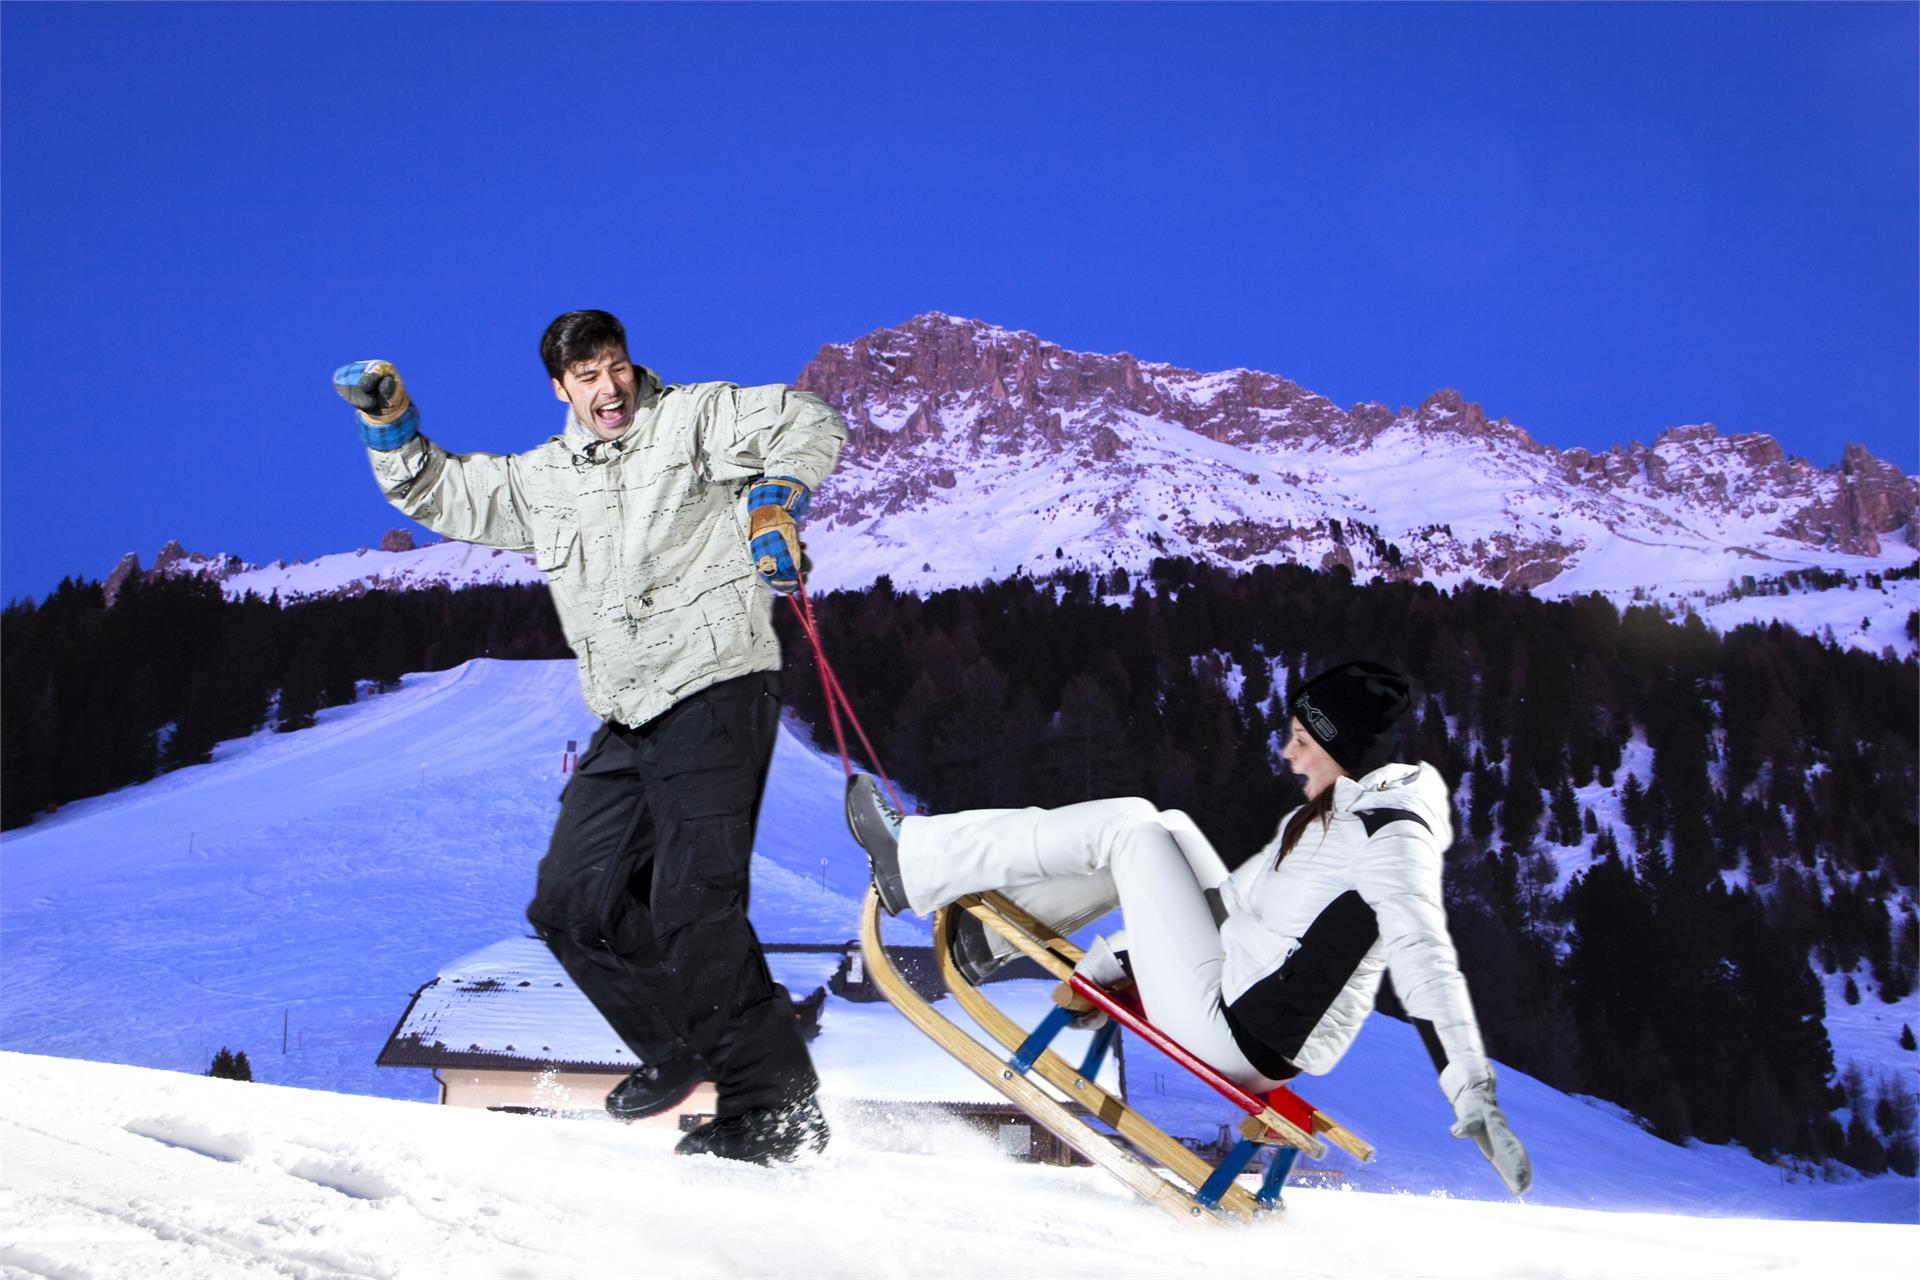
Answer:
(1856, 616)
(325, 875)
(114, 1173)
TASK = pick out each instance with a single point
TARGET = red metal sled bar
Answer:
(1283, 1101)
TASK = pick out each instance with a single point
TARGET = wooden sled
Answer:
(1281, 1121)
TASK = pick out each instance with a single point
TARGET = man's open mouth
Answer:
(611, 412)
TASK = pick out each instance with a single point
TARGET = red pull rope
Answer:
(836, 697)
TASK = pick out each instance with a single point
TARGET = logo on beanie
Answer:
(1322, 727)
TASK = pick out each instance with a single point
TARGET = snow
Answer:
(120, 1173)
(1867, 1034)
(324, 876)
(1858, 616)
(488, 1002)
(452, 564)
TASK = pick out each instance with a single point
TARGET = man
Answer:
(651, 513)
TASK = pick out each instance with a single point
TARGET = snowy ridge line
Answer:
(854, 559)
(396, 565)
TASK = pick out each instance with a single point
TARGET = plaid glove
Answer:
(388, 419)
(773, 504)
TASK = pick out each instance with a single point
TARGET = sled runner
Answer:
(1282, 1121)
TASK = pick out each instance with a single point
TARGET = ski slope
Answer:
(117, 1173)
(315, 880)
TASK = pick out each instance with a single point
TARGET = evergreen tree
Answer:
(1520, 806)
(1633, 807)
(1084, 753)
(228, 1065)
(198, 725)
(1864, 1150)
(1487, 785)
(1565, 814)
(1894, 973)
(300, 694)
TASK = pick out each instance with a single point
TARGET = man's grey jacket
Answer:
(643, 539)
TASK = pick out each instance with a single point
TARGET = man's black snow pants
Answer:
(642, 896)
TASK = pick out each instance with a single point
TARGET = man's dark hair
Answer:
(577, 336)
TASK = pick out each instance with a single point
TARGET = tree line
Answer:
(99, 697)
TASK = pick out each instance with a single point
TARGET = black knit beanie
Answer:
(1351, 710)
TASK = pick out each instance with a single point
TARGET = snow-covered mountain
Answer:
(978, 451)
(397, 564)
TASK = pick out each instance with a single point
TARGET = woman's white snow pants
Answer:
(1069, 866)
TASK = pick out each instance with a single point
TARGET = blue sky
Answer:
(1597, 221)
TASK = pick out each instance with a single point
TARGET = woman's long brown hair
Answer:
(1321, 807)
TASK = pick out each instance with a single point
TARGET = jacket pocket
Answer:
(556, 553)
(675, 644)
(556, 546)
(729, 614)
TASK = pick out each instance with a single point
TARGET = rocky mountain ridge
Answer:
(1241, 466)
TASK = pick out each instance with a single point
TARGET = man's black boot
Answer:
(654, 1088)
(876, 825)
(761, 1136)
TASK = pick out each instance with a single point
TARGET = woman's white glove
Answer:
(1469, 1086)
(1100, 964)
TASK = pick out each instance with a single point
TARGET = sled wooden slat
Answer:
(1056, 1071)
(1034, 940)
(1018, 1089)
(1342, 1137)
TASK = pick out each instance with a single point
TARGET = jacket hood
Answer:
(582, 443)
(1418, 788)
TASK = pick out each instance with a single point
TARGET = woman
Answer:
(1266, 971)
